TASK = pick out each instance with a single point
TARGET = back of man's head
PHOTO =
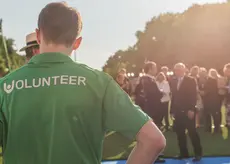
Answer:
(180, 66)
(58, 25)
(150, 67)
(179, 69)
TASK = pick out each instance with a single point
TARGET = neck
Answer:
(55, 48)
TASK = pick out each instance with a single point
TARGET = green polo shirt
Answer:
(56, 111)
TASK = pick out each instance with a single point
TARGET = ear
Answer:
(77, 43)
(38, 36)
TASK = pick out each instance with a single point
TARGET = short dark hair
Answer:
(29, 51)
(59, 23)
(148, 66)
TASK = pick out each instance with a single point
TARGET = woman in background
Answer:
(194, 72)
(226, 71)
(213, 73)
(201, 82)
(123, 81)
(212, 101)
(164, 87)
(221, 85)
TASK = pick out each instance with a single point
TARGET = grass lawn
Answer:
(118, 147)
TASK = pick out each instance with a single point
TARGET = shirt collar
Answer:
(51, 57)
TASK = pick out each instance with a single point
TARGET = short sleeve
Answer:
(120, 113)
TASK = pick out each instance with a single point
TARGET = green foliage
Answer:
(200, 35)
(15, 60)
(9, 59)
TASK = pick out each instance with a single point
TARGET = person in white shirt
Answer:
(164, 87)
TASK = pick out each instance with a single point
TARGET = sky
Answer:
(108, 25)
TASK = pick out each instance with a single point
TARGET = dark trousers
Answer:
(153, 111)
(212, 109)
(164, 113)
(156, 116)
(140, 101)
(182, 122)
(216, 115)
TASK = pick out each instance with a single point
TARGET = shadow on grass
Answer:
(118, 147)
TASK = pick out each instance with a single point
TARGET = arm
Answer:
(151, 89)
(147, 138)
(171, 86)
(210, 86)
(206, 88)
(192, 95)
(156, 91)
(122, 116)
(137, 89)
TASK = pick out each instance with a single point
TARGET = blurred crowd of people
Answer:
(212, 93)
(191, 98)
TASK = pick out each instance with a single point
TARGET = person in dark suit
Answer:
(139, 94)
(183, 108)
(212, 104)
(152, 93)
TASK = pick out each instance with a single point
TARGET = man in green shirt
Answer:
(56, 111)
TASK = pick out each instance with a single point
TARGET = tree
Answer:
(115, 63)
(9, 59)
(200, 35)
